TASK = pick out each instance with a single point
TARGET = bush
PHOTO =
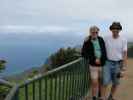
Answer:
(2, 64)
(61, 57)
(130, 51)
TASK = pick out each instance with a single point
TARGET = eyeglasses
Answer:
(95, 32)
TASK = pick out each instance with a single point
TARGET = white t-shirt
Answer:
(115, 47)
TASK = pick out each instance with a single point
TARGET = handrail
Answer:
(6, 83)
(11, 93)
(49, 72)
(14, 92)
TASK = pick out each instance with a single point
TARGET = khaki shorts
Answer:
(95, 72)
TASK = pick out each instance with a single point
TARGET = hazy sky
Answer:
(64, 15)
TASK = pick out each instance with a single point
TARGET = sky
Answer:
(32, 16)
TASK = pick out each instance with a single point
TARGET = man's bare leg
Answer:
(113, 91)
(104, 92)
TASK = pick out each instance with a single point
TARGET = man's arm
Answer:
(125, 49)
(124, 60)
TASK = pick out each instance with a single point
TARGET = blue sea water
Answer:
(24, 51)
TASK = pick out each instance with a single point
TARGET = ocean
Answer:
(23, 51)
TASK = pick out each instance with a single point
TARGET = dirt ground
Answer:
(125, 91)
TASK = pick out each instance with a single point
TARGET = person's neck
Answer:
(115, 36)
(94, 38)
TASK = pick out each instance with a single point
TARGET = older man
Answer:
(116, 47)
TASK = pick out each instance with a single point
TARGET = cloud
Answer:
(33, 15)
(34, 29)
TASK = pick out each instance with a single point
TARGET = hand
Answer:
(124, 66)
(98, 61)
(123, 69)
(122, 74)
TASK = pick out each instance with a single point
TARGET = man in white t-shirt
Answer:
(116, 47)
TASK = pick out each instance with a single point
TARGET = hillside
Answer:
(56, 59)
(37, 70)
(130, 50)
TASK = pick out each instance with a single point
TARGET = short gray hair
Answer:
(94, 28)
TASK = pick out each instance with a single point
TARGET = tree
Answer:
(62, 56)
(33, 73)
(2, 65)
(130, 51)
(3, 90)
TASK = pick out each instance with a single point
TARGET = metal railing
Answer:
(67, 82)
(6, 83)
(5, 87)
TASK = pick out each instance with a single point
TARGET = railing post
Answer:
(16, 97)
(33, 93)
(85, 76)
(13, 94)
(40, 89)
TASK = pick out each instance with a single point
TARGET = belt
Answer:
(119, 61)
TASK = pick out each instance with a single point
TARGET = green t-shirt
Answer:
(97, 49)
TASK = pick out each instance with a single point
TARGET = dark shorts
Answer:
(110, 73)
